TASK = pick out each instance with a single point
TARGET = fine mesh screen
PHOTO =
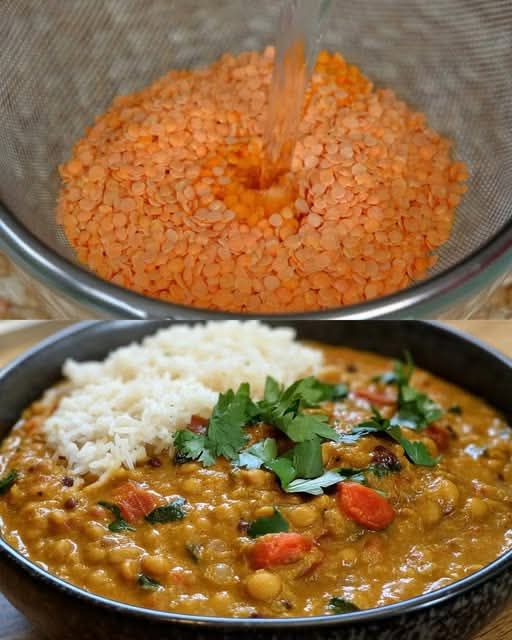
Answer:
(61, 64)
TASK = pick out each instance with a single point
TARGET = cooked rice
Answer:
(142, 393)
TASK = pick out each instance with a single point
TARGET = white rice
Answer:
(142, 393)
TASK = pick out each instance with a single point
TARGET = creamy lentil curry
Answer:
(399, 511)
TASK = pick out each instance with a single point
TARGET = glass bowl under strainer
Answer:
(62, 63)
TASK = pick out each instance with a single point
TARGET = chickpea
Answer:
(255, 477)
(446, 494)
(431, 513)
(97, 579)
(189, 468)
(191, 486)
(120, 554)
(220, 573)
(303, 516)
(263, 585)
(93, 554)
(128, 570)
(155, 565)
(222, 603)
(94, 531)
(62, 549)
(203, 524)
(477, 508)
(348, 557)
(264, 512)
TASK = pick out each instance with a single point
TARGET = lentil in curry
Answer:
(210, 537)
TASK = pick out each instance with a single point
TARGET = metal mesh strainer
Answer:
(62, 62)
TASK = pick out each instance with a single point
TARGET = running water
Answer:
(300, 31)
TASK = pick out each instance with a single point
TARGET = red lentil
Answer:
(162, 195)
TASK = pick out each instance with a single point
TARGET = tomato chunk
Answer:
(134, 502)
(198, 424)
(365, 506)
(376, 397)
(279, 548)
(439, 435)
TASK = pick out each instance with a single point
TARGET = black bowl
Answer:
(457, 611)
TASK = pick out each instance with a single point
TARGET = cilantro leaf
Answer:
(259, 453)
(302, 394)
(284, 470)
(456, 410)
(416, 409)
(119, 523)
(417, 452)
(231, 413)
(304, 427)
(8, 480)
(306, 458)
(340, 605)
(225, 436)
(193, 446)
(170, 513)
(315, 486)
(271, 524)
(148, 583)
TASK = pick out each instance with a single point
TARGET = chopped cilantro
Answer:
(415, 409)
(306, 458)
(193, 446)
(271, 524)
(284, 470)
(225, 436)
(315, 486)
(148, 583)
(8, 480)
(230, 415)
(340, 605)
(455, 409)
(170, 513)
(119, 523)
(254, 457)
(380, 470)
(417, 452)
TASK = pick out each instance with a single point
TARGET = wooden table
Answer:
(13, 626)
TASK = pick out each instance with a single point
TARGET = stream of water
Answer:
(300, 30)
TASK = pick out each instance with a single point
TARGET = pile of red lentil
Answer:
(162, 195)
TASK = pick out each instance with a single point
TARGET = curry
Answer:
(412, 494)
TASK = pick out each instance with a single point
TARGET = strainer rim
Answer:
(81, 285)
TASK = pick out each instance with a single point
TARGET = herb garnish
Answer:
(225, 436)
(119, 523)
(170, 513)
(8, 480)
(148, 583)
(282, 408)
(455, 409)
(417, 452)
(340, 605)
(416, 410)
(270, 524)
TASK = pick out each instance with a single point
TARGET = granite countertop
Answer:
(20, 299)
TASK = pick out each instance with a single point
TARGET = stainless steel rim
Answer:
(426, 298)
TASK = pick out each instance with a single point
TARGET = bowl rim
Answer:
(73, 280)
(377, 614)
